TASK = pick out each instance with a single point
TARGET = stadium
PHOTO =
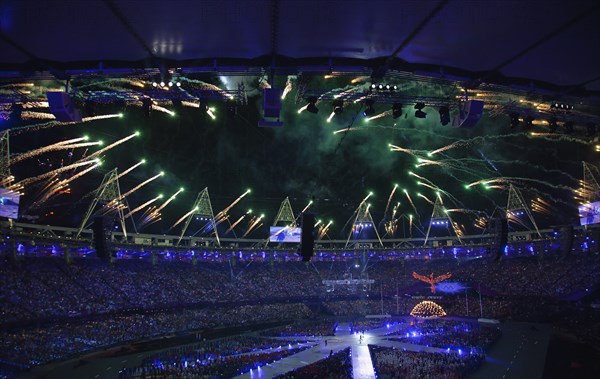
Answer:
(299, 189)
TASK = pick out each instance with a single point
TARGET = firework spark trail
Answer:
(101, 117)
(148, 211)
(428, 162)
(387, 206)
(426, 198)
(49, 148)
(138, 208)
(414, 153)
(127, 171)
(62, 184)
(139, 186)
(509, 180)
(183, 217)
(114, 144)
(287, 89)
(383, 114)
(154, 214)
(28, 115)
(411, 202)
(307, 206)
(162, 109)
(459, 143)
(48, 174)
(323, 230)
(223, 213)
(555, 137)
(253, 223)
(344, 130)
(516, 162)
(236, 223)
(429, 184)
(150, 222)
(169, 200)
(53, 123)
(435, 188)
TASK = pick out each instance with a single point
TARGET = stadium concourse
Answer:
(261, 312)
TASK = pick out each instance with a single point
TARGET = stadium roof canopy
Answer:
(550, 44)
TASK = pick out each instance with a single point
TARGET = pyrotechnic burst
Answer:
(414, 153)
(307, 206)
(389, 200)
(411, 202)
(222, 216)
(28, 115)
(287, 88)
(144, 205)
(254, 223)
(102, 117)
(386, 113)
(50, 124)
(153, 214)
(62, 184)
(140, 185)
(323, 229)
(114, 144)
(426, 198)
(63, 145)
(513, 180)
(49, 174)
(183, 217)
(238, 221)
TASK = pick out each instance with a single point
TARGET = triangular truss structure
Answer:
(517, 207)
(5, 175)
(589, 190)
(108, 194)
(285, 215)
(363, 219)
(439, 217)
(203, 208)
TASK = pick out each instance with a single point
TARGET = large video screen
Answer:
(284, 234)
(9, 204)
(589, 213)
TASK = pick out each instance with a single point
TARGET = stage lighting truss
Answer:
(566, 107)
(383, 87)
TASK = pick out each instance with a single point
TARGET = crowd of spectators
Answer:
(37, 288)
(206, 353)
(451, 334)
(58, 341)
(391, 363)
(336, 366)
(316, 328)
(51, 308)
(221, 367)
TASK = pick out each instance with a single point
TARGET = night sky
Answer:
(306, 161)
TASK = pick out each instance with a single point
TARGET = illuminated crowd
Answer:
(54, 308)
(448, 334)
(224, 357)
(336, 366)
(393, 363)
